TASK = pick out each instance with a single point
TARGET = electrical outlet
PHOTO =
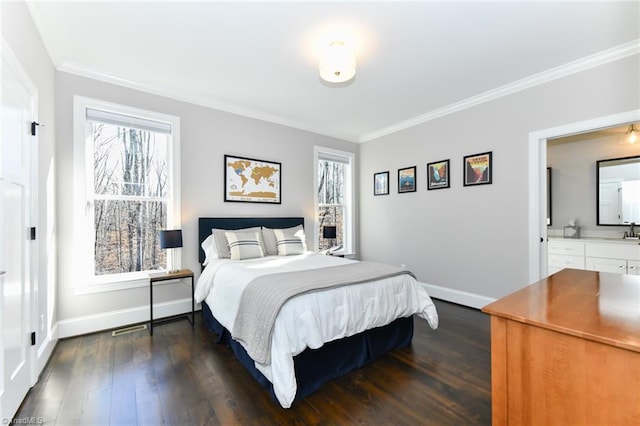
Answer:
(42, 323)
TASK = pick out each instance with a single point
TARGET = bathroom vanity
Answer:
(594, 254)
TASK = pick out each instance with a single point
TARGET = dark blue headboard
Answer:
(206, 224)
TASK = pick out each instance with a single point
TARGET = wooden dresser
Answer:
(566, 351)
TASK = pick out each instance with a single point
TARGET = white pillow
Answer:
(222, 245)
(269, 240)
(209, 248)
(290, 241)
(244, 245)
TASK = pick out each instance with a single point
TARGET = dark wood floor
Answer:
(180, 377)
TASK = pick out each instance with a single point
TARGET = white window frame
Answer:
(87, 281)
(349, 197)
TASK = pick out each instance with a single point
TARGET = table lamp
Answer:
(171, 239)
(329, 232)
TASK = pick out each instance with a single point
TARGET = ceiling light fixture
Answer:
(631, 135)
(337, 63)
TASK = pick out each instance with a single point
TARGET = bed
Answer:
(315, 336)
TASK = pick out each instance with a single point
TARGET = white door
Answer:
(609, 207)
(18, 100)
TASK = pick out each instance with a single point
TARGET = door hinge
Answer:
(32, 233)
(35, 124)
(33, 338)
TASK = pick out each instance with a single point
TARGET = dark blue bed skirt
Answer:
(314, 367)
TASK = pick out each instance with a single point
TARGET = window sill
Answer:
(106, 285)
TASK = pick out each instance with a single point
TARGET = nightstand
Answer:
(181, 274)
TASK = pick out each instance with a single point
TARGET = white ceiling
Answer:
(416, 60)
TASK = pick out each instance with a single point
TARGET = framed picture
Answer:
(381, 183)
(438, 175)
(478, 169)
(407, 179)
(250, 180)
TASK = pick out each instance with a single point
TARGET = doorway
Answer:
(537, 182)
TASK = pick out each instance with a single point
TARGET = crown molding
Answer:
(604, 57)
(82, 71)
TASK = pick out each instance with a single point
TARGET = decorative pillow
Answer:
(244, 245)
(209, 248)
(269, 240)
(290, 241)
(222, 245)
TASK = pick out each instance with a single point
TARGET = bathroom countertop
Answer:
(597, 240)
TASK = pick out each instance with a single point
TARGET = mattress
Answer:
(312, 319)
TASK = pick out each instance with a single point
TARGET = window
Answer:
(334, 198)
(126, 189)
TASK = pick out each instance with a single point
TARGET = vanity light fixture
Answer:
(632, 135)
(337, 63)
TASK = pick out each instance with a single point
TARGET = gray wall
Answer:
(206, 135)
(19, 31)
(573, 180)
(464, 239)
(475, 239)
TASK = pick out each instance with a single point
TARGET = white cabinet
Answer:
(565, 254)
(613, 250)
(606, 265)
(622, 258)
(610, 256)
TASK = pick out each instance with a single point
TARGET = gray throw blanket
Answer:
(264, 296)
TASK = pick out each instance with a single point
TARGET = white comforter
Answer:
(311, 319)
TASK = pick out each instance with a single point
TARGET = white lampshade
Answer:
(337, 63)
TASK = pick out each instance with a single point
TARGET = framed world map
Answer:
(250, 180)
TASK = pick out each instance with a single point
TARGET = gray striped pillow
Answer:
(222, 244)
(244, 245)
(290, 241)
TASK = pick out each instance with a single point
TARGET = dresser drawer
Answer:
(565, 261)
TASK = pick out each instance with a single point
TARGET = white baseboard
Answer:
(123, 317)
(456, 296)
(108, 320)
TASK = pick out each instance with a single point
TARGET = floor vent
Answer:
(131, 329)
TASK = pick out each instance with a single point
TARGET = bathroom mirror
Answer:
(618, 191)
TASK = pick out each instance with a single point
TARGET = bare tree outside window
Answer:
(130, 197)
(331, 199)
